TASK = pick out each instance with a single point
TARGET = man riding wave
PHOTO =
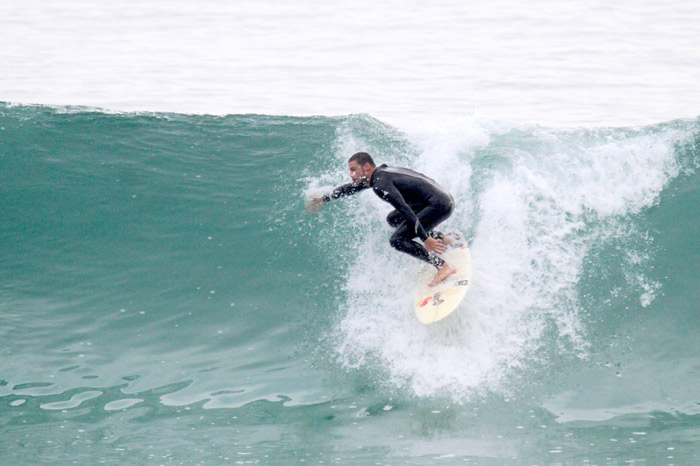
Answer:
(420, 205)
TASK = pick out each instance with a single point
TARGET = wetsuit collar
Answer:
(371, 180)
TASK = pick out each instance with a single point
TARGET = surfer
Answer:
(420, 205)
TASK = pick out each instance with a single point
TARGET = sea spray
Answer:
(543, 199)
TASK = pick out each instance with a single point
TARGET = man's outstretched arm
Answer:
(346, 190)
(315, 204)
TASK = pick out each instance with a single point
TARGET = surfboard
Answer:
(433, 303)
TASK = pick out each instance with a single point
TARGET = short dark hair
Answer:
(362, 158)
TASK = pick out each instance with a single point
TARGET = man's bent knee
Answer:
(397, 242)
(394, 219)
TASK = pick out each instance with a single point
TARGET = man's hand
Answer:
(315, 204)
(435, 245)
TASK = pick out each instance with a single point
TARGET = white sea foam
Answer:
(541, 200)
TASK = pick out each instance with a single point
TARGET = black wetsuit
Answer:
(420, 203)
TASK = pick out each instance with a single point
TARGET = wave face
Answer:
(165, 293)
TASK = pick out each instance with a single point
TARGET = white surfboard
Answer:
(433, 303)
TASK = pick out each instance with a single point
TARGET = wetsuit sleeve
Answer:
(345, 190)
(389, 193)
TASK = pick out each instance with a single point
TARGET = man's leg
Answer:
(394, 219)
(402, 239)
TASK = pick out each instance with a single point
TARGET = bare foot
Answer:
(443, 272)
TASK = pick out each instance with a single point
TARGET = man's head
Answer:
(361, 166)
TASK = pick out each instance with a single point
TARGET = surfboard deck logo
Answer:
(436, 301)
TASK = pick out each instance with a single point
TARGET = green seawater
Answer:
(165, 298)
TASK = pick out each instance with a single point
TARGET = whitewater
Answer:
(166, 298)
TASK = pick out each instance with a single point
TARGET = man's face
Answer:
(357, 171)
